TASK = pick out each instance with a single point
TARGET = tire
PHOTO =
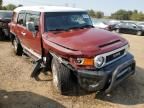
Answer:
(1, 38)
(139, 33)
(62, 80)
(118, 30)
(1, 35)
(17, 47)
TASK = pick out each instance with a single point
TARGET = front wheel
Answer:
(118, 30)
(17, 47)
(62, 80)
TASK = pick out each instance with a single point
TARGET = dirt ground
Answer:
(18, 90)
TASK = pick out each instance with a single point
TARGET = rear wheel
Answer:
(62, 80)
(139, 33)
(17, 47)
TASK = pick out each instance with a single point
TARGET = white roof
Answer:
(5, 11)
(48, 9)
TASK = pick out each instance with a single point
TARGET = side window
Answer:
(21, 19)
(132, 25)
(32, 20)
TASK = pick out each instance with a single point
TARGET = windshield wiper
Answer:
(87, 26)
(58, 30)
(81, 27)
(74, 28)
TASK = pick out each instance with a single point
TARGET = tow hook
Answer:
(37, 69)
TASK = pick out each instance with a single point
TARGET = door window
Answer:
(32, 20)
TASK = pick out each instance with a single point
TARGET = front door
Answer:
(32, 37)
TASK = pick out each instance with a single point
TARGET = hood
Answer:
(87, 40)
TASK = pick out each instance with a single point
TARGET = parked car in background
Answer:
(102, 25)
(129, 27)
(141, 25)
(112, 24)
(5, 18)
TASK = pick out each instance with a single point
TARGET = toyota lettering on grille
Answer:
(116, 55)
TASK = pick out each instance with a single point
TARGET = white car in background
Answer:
(101, 25)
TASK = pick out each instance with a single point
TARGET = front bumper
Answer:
(107, 77)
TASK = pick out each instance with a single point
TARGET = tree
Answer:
(4, 8)
(1, 2)
(138, 16)
(128, 15)
(121, 15)
(99, 14)
(95, 14)
(91, 13)
(10, 6)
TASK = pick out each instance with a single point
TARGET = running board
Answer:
(35, 58)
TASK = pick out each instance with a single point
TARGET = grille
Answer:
(112, 56)
(115, 55)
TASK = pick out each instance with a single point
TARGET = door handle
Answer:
(23, 33)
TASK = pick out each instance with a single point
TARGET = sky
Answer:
(107, 6)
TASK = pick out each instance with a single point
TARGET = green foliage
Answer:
(128, 15)
(99, 14)
(92, 13)
(120, 15)
(1, 2)
(10, 7)
(137, 16)
(95, 14)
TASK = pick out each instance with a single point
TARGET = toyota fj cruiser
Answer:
(64, 40)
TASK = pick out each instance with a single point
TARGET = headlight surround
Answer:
(99, 61)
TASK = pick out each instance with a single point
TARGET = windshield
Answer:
(6, 15)
(66, 20)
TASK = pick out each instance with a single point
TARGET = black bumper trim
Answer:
(109, 76)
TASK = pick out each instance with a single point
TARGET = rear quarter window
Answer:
(21, 19)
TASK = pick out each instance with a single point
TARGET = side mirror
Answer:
(31, 27)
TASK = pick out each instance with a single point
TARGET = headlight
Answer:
(84, 61)
(99, 61)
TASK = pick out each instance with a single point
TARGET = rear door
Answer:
(32, 39)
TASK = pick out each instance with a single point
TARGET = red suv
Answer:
(65, 40)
